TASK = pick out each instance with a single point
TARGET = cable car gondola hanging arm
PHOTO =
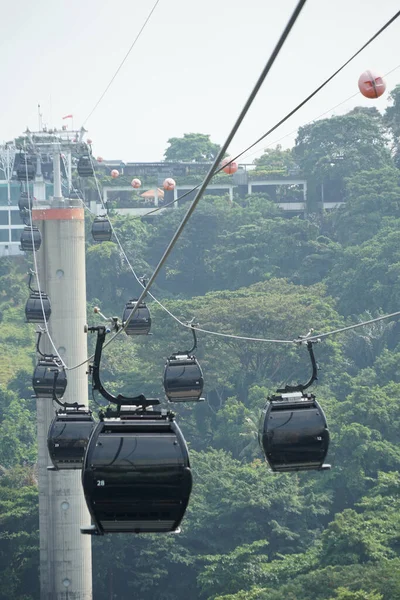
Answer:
(38, 350)
(193, 330)
(303, 386)
(56, 399)
(94, 369)
(31, 274)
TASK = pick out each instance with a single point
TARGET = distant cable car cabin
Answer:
(37, 307)
(31, 239)
(24, 202)
(101, 229)
(74, 194)
(183, 377)
(85, 167)
(136, 473)
(68, 436)
(25, 169)
(49, 377)
(293, 431)
(140, 323)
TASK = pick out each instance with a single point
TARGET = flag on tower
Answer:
(68, 117)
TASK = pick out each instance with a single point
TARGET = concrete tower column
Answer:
(65, 554)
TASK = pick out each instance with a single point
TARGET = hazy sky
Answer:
(191, 71)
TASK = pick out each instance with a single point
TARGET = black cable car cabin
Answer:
(183, 378)
(24, 202)
(49, 377)
(68, 438)
(140, 323)
(31, 239)
(25, 169)
(136, 475)
(293, 431)
(101, 229)
(85, 167)
(74, 194)
(33, 307)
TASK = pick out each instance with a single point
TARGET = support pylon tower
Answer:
(65, 554)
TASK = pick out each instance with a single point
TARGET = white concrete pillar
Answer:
(65, 554)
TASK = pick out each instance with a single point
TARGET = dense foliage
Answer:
(246, 268)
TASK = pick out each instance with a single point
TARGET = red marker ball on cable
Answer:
(371, 85)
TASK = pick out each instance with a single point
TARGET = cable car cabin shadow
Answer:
(101, 229)
(136, 475)
(183, 379)
(68, 436)
(294, 433)
(140, 323)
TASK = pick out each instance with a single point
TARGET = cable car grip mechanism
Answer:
(300, 387)
(94, 370)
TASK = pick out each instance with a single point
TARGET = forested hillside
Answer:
(247, 268)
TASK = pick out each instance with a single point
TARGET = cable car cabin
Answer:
(74, 194)
(25, 169)
(85, 167)
(47, 369)
(33, 307)
(183, 379)
(68, 438)
(293, 433)
(136, 475)
(24, 202)
(30, 239)
(101, 229)
(141, 321)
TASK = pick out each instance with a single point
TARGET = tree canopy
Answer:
(246, 268)
(192, 147)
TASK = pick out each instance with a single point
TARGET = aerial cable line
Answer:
(319, 88)
(220, 155)
(292, 112)
(36, 271)
(122, 62)
(315, 119)
(349, 327)
(217, 160)
(211, 172)
(182, 323)
(313, 338)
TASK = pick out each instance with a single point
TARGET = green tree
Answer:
(276, 160)
(17, 435)
(392, 121)
(263, 249)
(344, 594)
(367, 277)
(19, 543)
(371, 197)
(330, 150)
(192, 147)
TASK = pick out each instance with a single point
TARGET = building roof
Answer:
(151, 193)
